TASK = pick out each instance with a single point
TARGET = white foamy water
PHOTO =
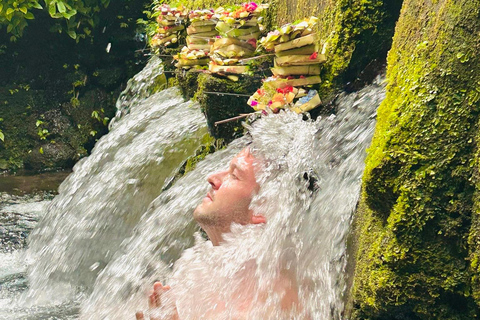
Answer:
(18, 215)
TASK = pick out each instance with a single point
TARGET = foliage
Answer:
(2, 135)
(79, 17)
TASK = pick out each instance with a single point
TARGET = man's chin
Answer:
(199, 211)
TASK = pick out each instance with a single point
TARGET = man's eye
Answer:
(234, 176)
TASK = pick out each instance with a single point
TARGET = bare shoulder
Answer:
(286, 286)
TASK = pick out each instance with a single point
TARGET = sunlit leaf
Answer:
(61, 7)
(52, 9)
(23, 9)
(36, 5)
(10, 11)
(29, 16)
(2, 136)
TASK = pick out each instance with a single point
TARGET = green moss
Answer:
(209, 145)
(217, 106)
(187, 81)
(413, 256)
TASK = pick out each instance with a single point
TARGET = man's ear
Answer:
(257, 219)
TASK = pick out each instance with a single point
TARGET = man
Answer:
(228, 202)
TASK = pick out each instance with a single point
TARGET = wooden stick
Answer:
(241, 116)
(228, 94)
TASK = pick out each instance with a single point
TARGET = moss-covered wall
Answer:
(217, 106)
(417, 247)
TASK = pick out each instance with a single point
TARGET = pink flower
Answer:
(253, 103)
(253, 42)
(251, 6)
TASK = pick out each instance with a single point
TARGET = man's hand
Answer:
(155, 301)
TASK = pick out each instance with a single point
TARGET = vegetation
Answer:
(78, 18)
(57, 95)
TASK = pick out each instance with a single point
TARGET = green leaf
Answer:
(40, 150)
(61, 7)
(23, 9)
(1, 7)
(72, 34)
(39, 122)
(2, 136)
(68, 15)
(52, 9)
(37, 5)
(9, 27)
(9, 11)
(29, 16)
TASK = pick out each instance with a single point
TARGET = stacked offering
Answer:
(171, 21)
(200, 32)
(239, 30)
(297, 66)
(286, 93)
(295, 50)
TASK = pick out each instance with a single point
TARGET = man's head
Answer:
(229, 198)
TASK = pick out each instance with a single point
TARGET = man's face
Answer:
(230, 195)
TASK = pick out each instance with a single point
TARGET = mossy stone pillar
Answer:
(415, 259)
(221, 98)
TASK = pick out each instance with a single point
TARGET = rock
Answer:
(51, 155)
(217, 106)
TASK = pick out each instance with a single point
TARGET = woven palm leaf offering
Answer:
(200, 32)
(286, 93)
(239, 28)
(296, 70)
(171, 22)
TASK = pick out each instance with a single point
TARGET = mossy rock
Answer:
(218, 106)
(34, 121)
(417, 246)
(51, 155)
(187, 80)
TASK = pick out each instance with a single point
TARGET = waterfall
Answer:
(103, 199)
(111, 232)
(306, 227)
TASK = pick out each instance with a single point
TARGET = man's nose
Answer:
(216, 179)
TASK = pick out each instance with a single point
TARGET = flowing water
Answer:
(112, 231)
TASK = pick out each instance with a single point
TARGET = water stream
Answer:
(112, 231)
